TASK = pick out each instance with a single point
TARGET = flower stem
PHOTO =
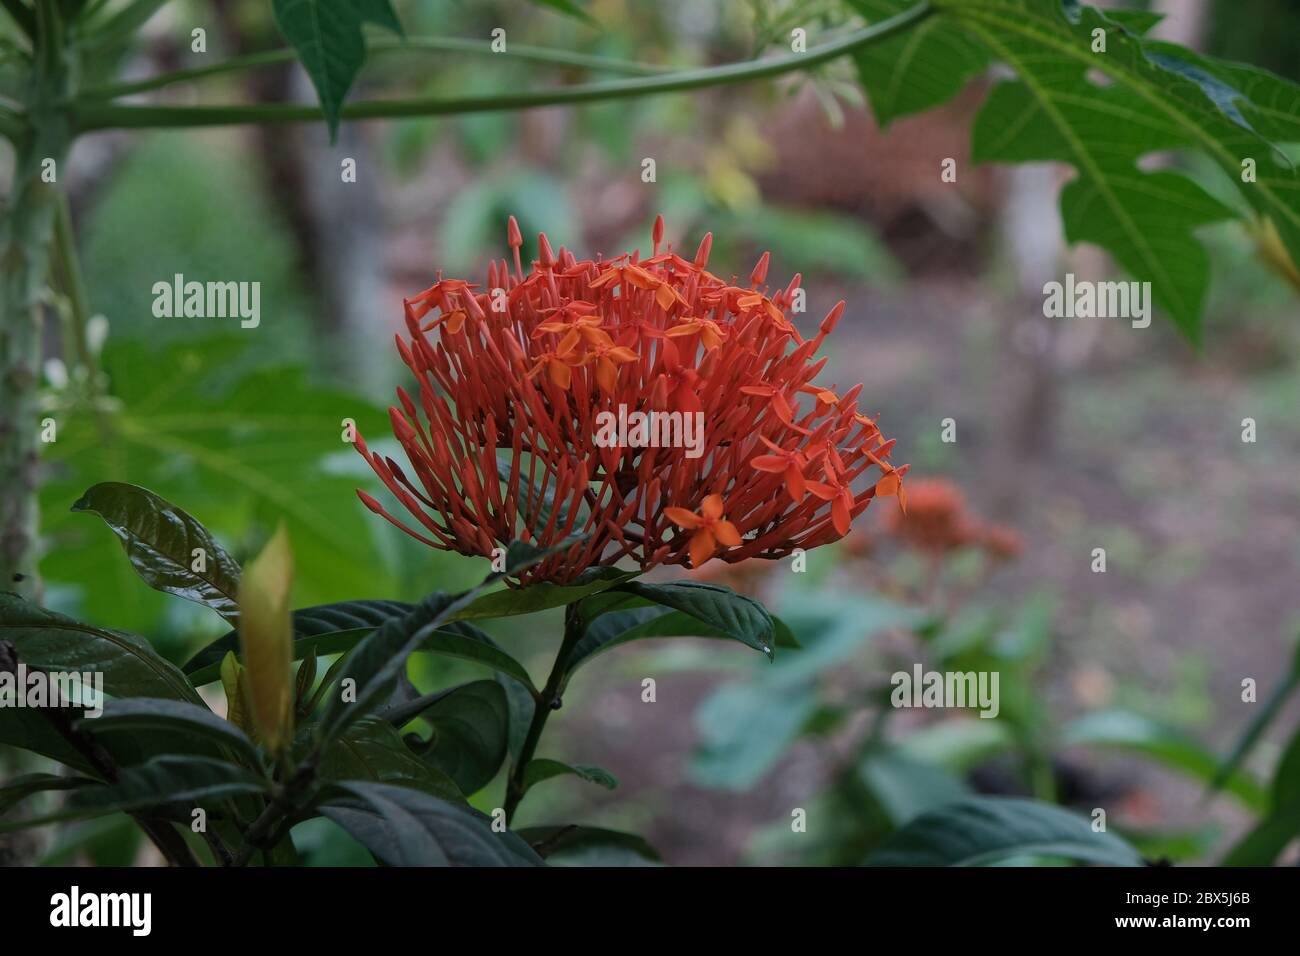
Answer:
(546, 701)
(95, 116)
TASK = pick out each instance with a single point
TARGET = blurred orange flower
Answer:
(936, 520)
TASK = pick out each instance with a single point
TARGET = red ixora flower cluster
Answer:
(516, 380)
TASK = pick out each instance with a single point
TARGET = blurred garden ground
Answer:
(1076, 434)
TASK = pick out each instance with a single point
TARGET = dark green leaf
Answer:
(521, 703)
(541, 768)
(977, 831)
(325, 628)
(53, 642)
(611, 629)
(543, 595)
(159, 782)
(719, 608)
(404, 827)
(470, 729)
(161, 540)
(150, 715)
(371, 749)
(373, 666)
(327, 37)
(466, 642)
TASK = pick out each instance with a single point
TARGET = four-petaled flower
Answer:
(709, 527)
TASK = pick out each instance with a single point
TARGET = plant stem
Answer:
(253, 61)
(95, 116)
(546, 701)
(25, 233)
(65, 247)
(266, 829)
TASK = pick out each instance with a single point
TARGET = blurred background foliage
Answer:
(1118, 690)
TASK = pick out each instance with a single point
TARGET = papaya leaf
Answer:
(328, 39)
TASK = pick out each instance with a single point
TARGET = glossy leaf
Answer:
(977, 831)
(721, 611)
(619, 627)
(404, 827)
(161, 541)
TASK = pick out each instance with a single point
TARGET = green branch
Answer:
(543, 704)
(95, 116)
(253, 61)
